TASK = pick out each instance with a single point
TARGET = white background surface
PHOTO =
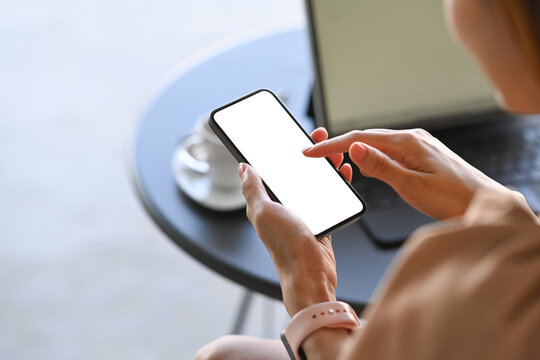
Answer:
(84, 273)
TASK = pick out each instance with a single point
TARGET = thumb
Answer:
(252, 187)
(374, 163)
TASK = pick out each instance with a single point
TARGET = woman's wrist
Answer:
(302, 290)
(325, 343)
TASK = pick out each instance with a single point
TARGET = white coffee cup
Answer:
(204, 153)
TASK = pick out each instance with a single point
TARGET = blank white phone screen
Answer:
(272, 143)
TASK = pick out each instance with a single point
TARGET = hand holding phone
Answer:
(260, 131)
(306, 266)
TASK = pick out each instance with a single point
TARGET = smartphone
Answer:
(259, 130)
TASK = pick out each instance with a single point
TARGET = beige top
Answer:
(465, 289)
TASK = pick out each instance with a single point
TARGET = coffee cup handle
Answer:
(186, 157)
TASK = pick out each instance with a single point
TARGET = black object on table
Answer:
(226, 242)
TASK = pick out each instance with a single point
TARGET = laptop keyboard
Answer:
(511, 160)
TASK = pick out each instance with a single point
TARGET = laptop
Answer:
(393, 64)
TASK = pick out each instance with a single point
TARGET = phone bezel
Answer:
(241, 158)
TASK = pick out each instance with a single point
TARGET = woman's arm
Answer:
(305, 265)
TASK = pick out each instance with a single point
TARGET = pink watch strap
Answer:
(333, 314)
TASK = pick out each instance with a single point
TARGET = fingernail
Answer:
(241, 168)
(306, 149)
(359, 150)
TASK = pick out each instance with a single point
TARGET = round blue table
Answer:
(226, 242)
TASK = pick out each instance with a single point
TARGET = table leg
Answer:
(241, 314)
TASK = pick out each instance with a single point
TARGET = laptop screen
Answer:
(390, 63)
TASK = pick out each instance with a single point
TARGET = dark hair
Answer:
(523, 19)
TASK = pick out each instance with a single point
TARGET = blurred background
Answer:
(84, 273)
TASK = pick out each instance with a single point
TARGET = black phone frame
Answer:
(241, 158)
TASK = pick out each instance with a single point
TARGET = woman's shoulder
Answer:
(498, 237)
(471, 286)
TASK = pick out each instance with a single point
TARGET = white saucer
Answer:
(199, 188)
